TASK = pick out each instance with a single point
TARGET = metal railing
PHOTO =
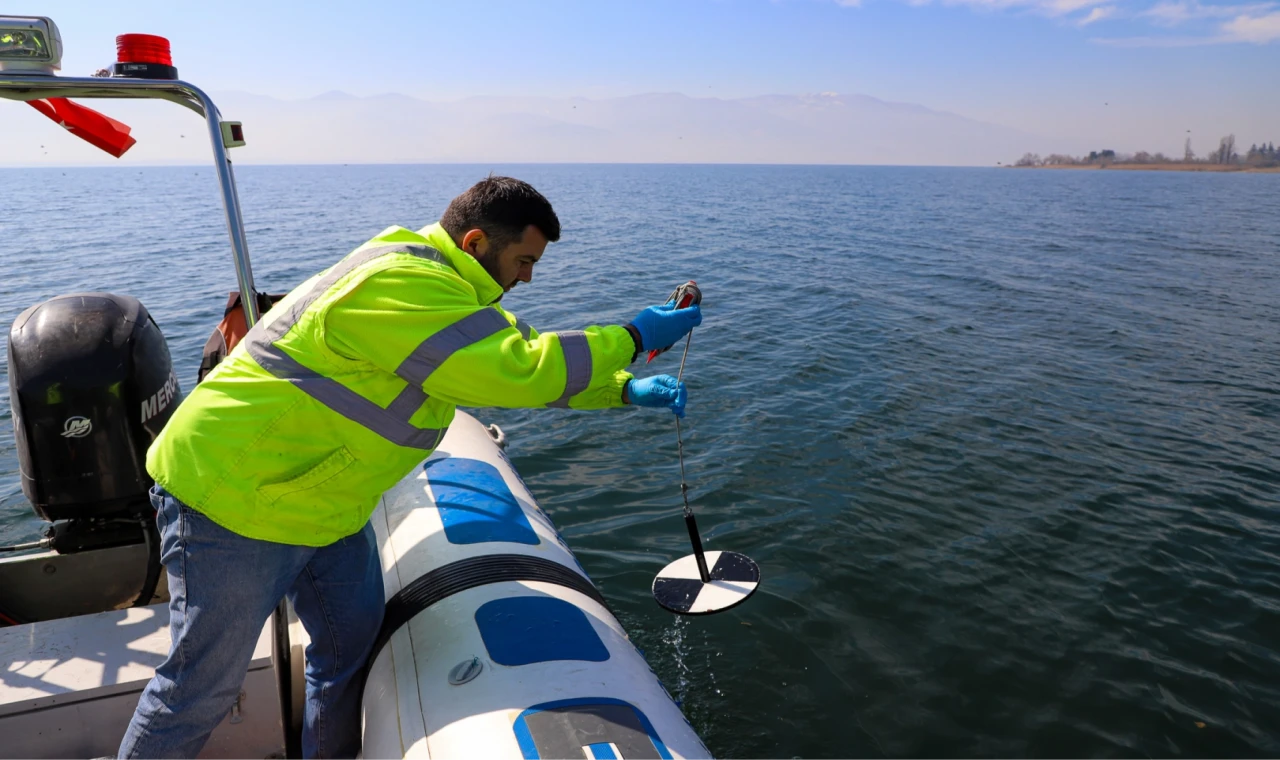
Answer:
(26, 87)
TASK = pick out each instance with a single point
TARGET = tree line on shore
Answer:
(1265, 155)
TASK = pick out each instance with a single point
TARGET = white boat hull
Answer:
(503, 668)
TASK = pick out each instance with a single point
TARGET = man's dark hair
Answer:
(503, 207)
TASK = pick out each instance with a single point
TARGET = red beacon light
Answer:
(143, 56)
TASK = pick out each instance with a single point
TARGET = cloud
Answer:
(1156, 42)
(1048, 7)
(1259, 28)
(1064, 7)
(1256, 29)
(1257, 23)
(1097, 14)
(1174, 13)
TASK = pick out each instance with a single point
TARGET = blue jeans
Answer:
(222, 589)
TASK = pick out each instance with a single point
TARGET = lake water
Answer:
(1006, 444)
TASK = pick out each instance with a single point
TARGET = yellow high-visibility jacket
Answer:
(351, 380)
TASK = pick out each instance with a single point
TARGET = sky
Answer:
(1127, 74)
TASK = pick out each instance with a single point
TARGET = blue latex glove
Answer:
(661, 326)
(658, 391)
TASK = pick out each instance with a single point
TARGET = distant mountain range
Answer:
(335, 127)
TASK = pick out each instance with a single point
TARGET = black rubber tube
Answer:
(444, 582)
(284, 678)
(7, 620)
(152, 579)
(25, 547)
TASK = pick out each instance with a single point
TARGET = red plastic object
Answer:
(143, 48)
(99, 130)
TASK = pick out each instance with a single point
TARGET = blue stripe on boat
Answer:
(524, 629)
(476, 506)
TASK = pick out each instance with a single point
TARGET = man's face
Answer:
(512, 264)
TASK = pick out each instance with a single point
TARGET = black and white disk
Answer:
(679, 586)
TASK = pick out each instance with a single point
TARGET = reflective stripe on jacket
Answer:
(351, 380)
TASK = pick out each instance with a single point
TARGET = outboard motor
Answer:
(91, 385)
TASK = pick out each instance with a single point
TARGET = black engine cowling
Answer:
(91, 385)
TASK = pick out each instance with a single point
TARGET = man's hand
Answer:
(657, 391)
(661, 326)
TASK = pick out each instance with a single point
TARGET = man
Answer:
(267, 473)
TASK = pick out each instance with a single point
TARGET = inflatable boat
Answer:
(496, 643)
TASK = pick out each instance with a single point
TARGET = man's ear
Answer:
(475, 242)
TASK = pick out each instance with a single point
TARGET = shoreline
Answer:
(1172, 167)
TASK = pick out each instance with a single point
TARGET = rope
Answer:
(684, 487)
(689, 521)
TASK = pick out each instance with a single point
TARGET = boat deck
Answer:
(70, 686)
